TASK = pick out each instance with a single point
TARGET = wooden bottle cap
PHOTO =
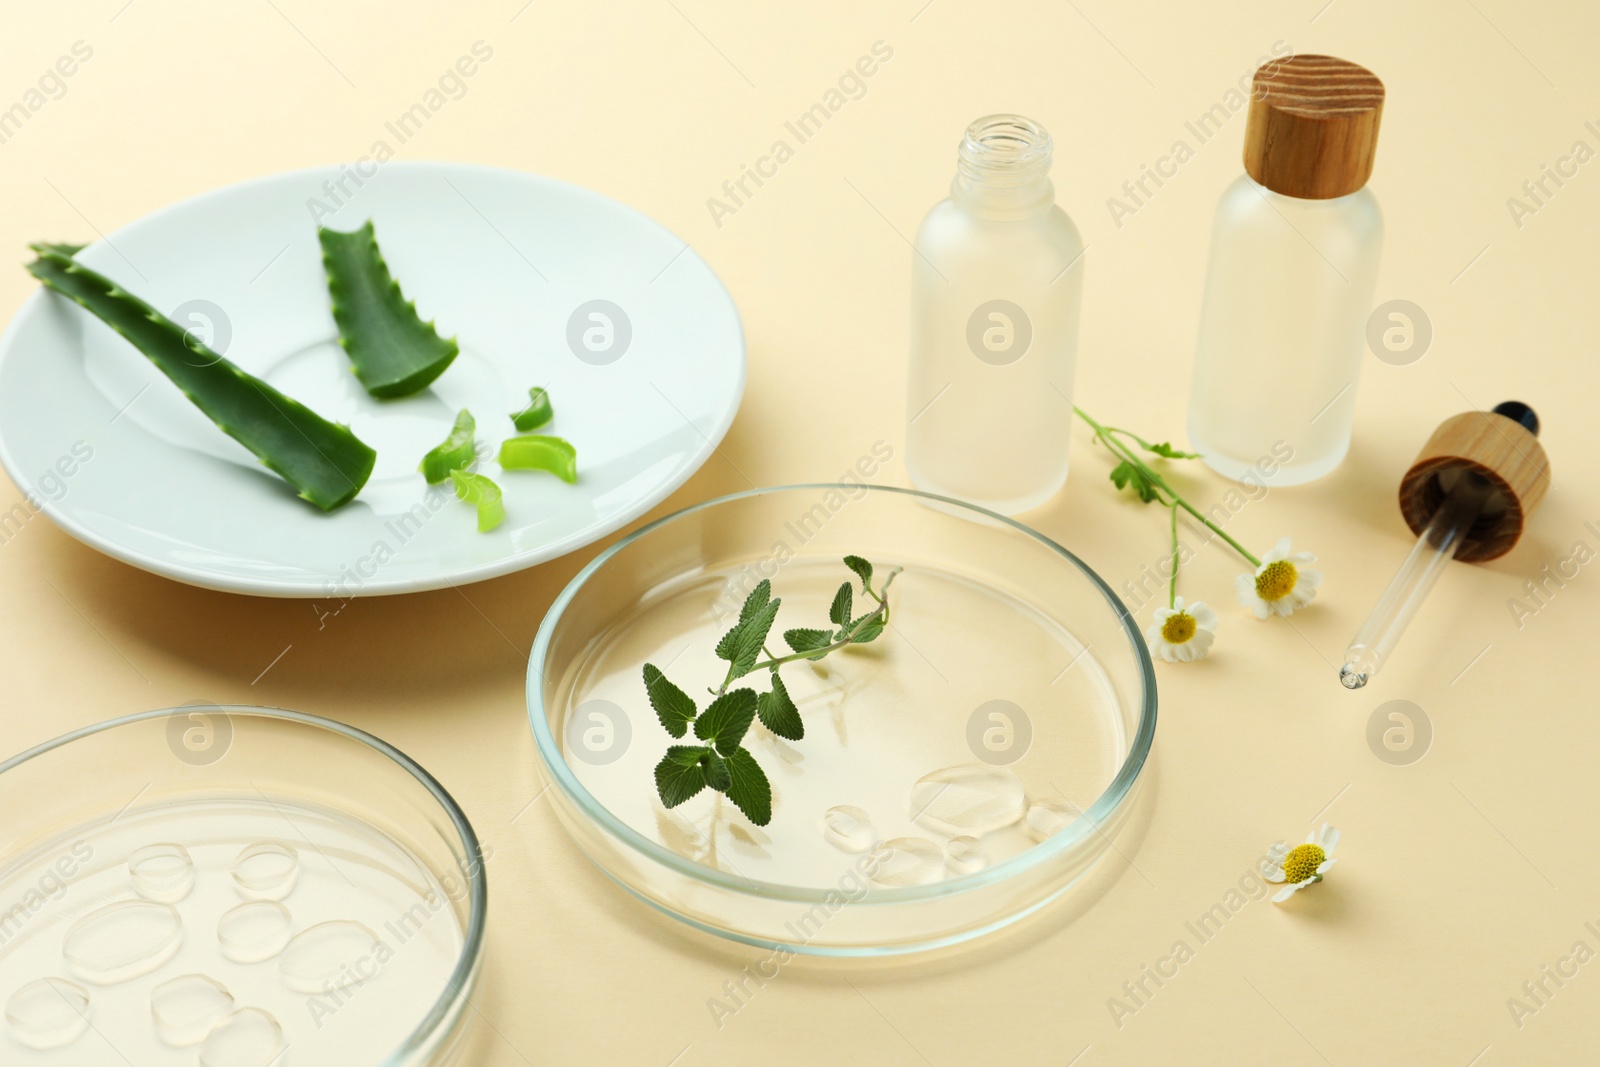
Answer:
(1498, 447)
(1313, 126)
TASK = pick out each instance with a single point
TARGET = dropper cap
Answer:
(1501, 447)
(1313, 126)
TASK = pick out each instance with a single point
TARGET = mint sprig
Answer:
(722, 762)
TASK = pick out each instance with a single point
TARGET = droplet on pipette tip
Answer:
(1351, 678)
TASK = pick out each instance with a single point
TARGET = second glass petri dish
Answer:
(221, 884)
(955, 774)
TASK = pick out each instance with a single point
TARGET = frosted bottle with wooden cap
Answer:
(997, 280)
(1294, 261)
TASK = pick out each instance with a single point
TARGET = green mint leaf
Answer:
(673, 706)
(749, 788)
(715, 769)
(726, 719)
(759, 597)
(839, 614)
(741, 646)
(870, 632)
(808, 640)
(1162, 448)
(778, 712)
(862, 568)
(679, 775)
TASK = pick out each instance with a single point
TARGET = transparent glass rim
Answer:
(478, 886)
(1089, 823)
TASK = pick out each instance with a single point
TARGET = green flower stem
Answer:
(1172, 586)
(1107, 435)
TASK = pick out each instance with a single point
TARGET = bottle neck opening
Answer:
(1004, 164)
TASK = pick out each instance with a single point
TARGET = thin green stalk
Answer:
(1172, 586)
(1107, 435)
(881, 611)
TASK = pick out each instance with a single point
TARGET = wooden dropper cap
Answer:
(1313, 126)
(1502, 447)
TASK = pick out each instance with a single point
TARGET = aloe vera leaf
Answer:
(325, 463)
(536, 414)
(481, 491)
(539, 452)
(393, 351)
(455, 453)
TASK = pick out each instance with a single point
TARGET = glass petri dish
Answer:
(216, 883)
(958, 773)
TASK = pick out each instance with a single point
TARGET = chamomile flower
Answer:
(1182, 633)
(1302, 865)
(1281, 584)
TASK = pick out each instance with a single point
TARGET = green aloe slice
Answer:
(324, 461)
(481, 491)
(393, 351)
(536, 414)
(538, 452)
(456, 453)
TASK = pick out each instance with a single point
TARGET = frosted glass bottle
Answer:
(1294, 262)
(997, 283)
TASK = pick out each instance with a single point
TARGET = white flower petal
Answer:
(1204, 617)
(1328, 838)
(1161, 649)
(1285, 893)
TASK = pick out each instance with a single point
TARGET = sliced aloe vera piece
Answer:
(481, 491)
(536, 414)
(538, 452)
(324, 461)
(393, 351)
(455, 453)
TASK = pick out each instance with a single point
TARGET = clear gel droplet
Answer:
(248, 1038)
(972, 799)
(330, 956)
(965, 855)
(48, 1013)
(848, 828)
(906, 861)
(254, 931)
(266, 870)
(187, 1008)
(163, 873)
(122, 941)
(1049, 815)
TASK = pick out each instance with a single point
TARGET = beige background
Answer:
(1461, 875)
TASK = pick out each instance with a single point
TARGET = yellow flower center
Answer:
(1178, 628)
(1276, 580)
(1302, 862)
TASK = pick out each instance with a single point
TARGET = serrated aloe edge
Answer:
(393, 351)
(721, 761)
(325, 463)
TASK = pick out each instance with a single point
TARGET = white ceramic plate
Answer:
(541, 283)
